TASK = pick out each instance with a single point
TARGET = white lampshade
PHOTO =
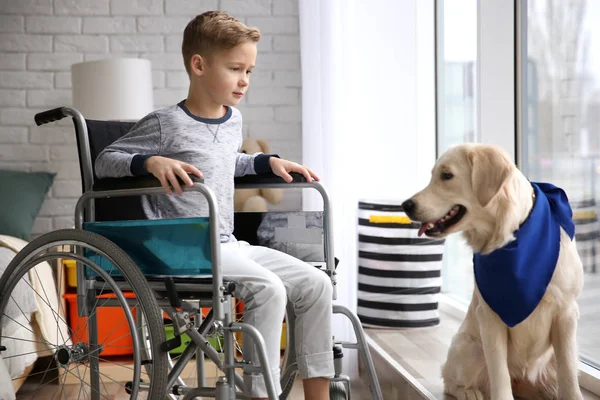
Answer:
(113, 89)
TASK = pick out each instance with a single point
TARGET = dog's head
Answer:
(473, 188)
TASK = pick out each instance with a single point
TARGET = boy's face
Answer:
(227, 73)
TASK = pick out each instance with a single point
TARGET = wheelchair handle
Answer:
(50, 116)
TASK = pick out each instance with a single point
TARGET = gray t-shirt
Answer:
(211, 145)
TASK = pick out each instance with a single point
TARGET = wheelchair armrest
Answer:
(250, 181)
(135, 182)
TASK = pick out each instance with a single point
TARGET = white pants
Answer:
(265, 279)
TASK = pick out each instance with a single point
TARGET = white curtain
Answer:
(363, 132)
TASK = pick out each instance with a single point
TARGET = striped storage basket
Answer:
(399, 274)
(587, 234)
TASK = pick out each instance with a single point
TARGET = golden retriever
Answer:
(477, 190)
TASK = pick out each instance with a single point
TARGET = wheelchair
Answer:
(134, 279)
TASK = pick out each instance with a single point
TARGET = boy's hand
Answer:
(166, 170)
(283, 167)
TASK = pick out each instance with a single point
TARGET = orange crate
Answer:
(113, 329)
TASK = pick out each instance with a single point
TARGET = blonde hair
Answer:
(213, 31)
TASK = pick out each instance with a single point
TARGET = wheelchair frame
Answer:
(219, 318)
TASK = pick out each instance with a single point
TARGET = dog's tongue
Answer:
(424, 226)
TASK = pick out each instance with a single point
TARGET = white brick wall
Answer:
(40, 39)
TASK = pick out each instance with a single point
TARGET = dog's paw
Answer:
(574, 394)
(569, 390)
(470, 394)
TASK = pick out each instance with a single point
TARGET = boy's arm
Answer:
(251, 164)
(127, 155)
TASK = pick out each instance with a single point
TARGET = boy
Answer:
(202, 135)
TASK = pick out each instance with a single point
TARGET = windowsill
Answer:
(409, 360)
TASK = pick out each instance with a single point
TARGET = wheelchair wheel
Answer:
(96, 356)
(337, 391)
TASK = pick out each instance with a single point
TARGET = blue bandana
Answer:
(512, 280)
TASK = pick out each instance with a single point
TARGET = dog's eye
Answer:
(446, 176)
(244, 151)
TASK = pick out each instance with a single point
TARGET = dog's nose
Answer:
(408, 206)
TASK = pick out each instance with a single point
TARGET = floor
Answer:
(113, 390)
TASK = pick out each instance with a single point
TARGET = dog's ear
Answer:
(490, 169)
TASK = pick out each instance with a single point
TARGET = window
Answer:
(530, 84)
(456, 117)
(560, 137)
